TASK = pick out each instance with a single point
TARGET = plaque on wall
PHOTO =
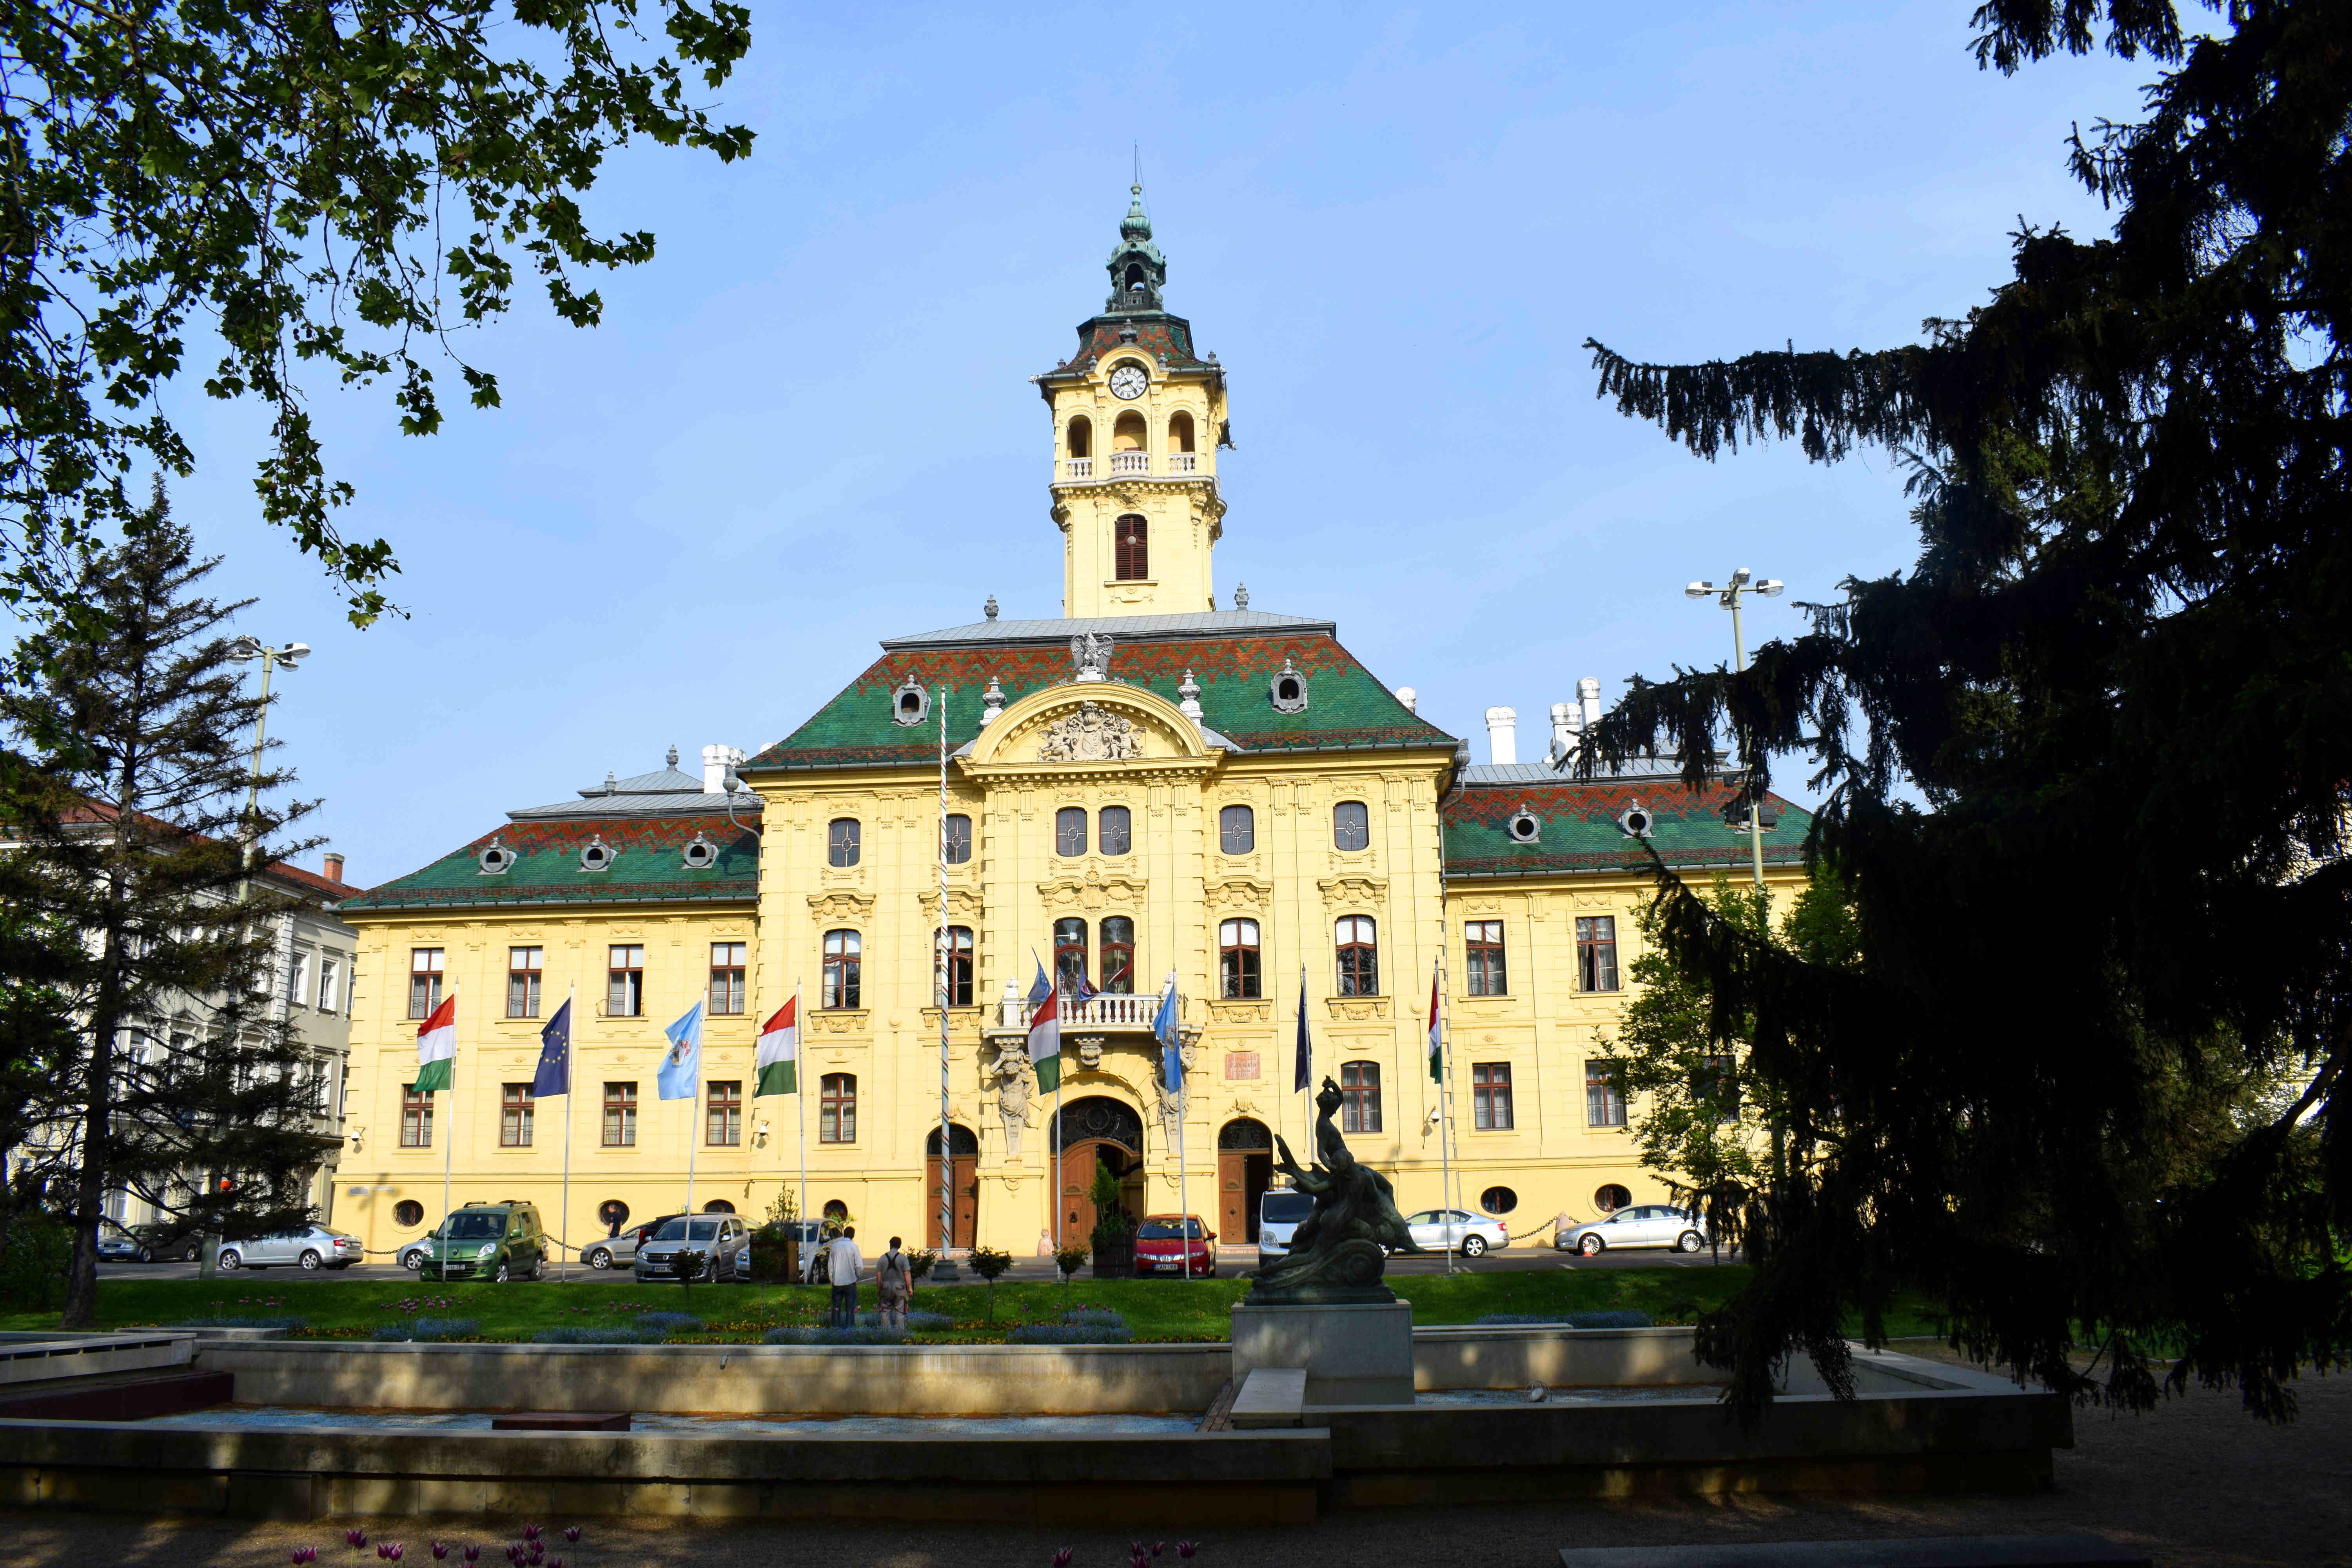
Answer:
(1240, 1065)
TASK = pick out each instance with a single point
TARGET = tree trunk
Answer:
(89, 1183)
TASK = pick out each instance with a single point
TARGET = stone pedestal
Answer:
(1352, 1353)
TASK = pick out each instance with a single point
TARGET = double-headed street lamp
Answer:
(1742, 584)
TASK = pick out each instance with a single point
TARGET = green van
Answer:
(499, 1241)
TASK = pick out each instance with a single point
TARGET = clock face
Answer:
(1129, 381)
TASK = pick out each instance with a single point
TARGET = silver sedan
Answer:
(1644, 1225)
(1456, 1230)
(620, 1250)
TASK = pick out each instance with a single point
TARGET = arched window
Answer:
(1237, 959)
(1130, 549)
(1079, 440)
(1351, 825)
(835, 1209)
(1137, 280)
(1127, 433)
(1360, 1097)
(1114, 830)
(836, 1110)
(844, 961)
(841, 841)
(719, 1205)
(1612, 1197)
(1236, 831)
(958, 966)
(1070, 830)
(1118, 955)
(1070, 954)
(1180, 432)
(958, 838)
(1359, 956)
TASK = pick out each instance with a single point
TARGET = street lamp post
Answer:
(1742, 584)
(244, 650)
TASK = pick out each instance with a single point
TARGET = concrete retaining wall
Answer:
(31, 1357)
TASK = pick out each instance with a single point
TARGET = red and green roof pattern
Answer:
(1155, 335)
(1347, 706)
(1580, 832)
(649, 867)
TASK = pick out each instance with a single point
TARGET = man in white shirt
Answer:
(841, 1262)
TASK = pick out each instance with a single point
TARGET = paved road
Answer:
(1230, 1263)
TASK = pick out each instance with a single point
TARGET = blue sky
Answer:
(807, 426)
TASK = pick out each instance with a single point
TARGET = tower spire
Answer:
(1138, 270)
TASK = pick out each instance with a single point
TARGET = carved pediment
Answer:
(1246, 893)
(841, 905)
(1091, 891)
(1339, 891)
(1092, 734)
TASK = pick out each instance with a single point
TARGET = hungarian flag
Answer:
(1436, 1046)
(780, 1051)
(436, 1047)
(1045, 1042)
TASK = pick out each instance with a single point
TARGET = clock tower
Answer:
(1137, 421)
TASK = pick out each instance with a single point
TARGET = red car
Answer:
(1162, 1240)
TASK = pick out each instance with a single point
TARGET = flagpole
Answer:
(450, 1144)
(800, 1101)
(945, 1267)
(1444, 1086)
(563, 1256)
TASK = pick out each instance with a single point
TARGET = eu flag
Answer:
(1305, 1074)
(554, 1056)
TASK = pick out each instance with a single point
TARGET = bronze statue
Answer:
(1340, 1253)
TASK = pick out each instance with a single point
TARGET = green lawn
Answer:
(1160, 1310)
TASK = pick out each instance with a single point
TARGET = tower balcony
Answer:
(1080, 468)
(1131, 462)
(1104, 1014)
(1086, 469)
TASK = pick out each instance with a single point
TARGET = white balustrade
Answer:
(1184, 462)
(1082, 468)
(1102, 1011)
(1131, 462)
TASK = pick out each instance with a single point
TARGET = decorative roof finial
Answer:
(988, 609)
(1241, 596)
(611, 784)
(991, 703)
(1188, 696)
(673, 756)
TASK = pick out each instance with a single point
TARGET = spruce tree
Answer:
(2082, 1080)
(142, 1056)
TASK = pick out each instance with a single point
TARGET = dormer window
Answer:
(595, 855)
(1635, 821)
(1288, 689)
(700, 853)
(1523, 827)
(909, 704)
(496, 860)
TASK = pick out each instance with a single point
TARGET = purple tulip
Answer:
(473, 1554)
(1157, 1547)
(530, 1532)
(304, 1554)
(571, 1533)
(355, 1539)
(1185, 1549)
(391, 1552)
(1062, 1558)
(440, 1550)
(555, 1562)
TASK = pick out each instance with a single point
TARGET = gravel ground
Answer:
(2197, 1483)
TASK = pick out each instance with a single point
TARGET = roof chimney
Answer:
(715, 762)
(1567, 727)
(1502, 736)
(1588, 692)
(334, 865)
(1409, 698)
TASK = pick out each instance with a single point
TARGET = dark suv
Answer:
(482, 1241)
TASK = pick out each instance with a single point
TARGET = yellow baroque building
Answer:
(1151, 785)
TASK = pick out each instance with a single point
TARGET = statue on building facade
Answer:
(1092, 734)
(1012, 1091)
(1090, 656)
(1340, 1252)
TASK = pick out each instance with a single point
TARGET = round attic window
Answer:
(911, 703)
(595, 855)
(1523, 827)
(700, 852)
(1288, 689)
(1498, 1200)
(496, 860)
(1636, 821)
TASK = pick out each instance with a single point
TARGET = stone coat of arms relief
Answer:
(1092, 734)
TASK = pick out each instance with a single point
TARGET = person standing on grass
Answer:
(842, 1263)
(894, 1282)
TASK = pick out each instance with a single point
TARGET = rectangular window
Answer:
(726, 993)
(620, 1116)
(1604, 1094)
(842, 842)
(724, 1114)
(415, 1117)
(840, 984)
(958, 977)
(1596, 952)
(522, 982)
(958, 847)
(1236, 831)
(836, 1108)
(1115, 830)
(1490, 1095)
(1237, 959)
(1351, 825)
(1118, 955)
(1482, 950)
(515, 1115)
(1360, 1097)
(1070, 830)
(331, 984)
(298, 992)
(1131, 549)
(424, 981)
(624, 983)
(1360, 957)
(1070, 954)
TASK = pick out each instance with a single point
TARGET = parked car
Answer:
(482, 1241)
(311, 1246)
(116, 1245)
(1456, 1230)
(1163, 1242)
(167, 1243)
(1280, 1212)
(1643, 1224)
(618, 1251)
(724, 1240)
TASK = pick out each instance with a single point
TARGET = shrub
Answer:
(919, 1262)
(240, 1323)
(1094, 1318)
(1565, 1320)
(591, 1336)
(668, 1322)
(803, 1334)
(1072, 1334)
(32, 1266)
(1072, 1257)
(428, 1330)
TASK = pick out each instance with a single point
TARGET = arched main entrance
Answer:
(1096, 1130)
(1244, 1170)
(966, 1149)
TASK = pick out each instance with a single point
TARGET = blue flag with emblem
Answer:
(680, 1077)
(1040, 987)
(554, 1076)
(1171, 1048)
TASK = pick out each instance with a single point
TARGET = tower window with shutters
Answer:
(1131, 549)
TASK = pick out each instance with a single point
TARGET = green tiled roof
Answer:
(1580, 830)
(649, 867)
(1347, 706)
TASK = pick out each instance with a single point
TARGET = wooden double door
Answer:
(963, 1199)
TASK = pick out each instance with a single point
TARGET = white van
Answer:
(1280, 1211)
